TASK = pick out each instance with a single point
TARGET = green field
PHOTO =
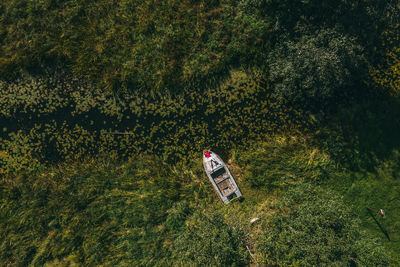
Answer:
(105, 107)
(140, 211)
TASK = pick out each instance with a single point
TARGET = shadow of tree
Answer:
(365, 141)
(379, 225)
(362, 136)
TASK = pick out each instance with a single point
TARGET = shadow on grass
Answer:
(365, 141)
(379, 225)
(361, 137)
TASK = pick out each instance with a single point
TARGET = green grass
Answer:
(364, 168)
(378, 190)
(90, 213)
(368, 147)
(375, 185)
(135, 212)
(123, 213)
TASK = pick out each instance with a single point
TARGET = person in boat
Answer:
(207, 154)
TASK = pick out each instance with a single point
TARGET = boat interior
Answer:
(222, 179)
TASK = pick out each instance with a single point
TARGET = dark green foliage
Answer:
(363, 136)
(317, 228)
(47, 121)
(209, 241)
(173, 45)
(316, 68)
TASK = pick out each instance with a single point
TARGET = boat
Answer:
(220, 177)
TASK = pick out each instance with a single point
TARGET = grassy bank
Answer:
(144, 211)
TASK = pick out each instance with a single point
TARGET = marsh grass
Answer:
(134, 212)
(46, 121)
(113, 207)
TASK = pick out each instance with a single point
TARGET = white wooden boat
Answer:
(221, 178)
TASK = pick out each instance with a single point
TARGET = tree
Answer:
(388, 74)
(316, 67)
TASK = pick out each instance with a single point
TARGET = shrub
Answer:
(316, 68)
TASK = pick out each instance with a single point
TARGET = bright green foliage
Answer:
(57, 119)
(281, 161)
(209, 241)
(378, 190)
(316, 228)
